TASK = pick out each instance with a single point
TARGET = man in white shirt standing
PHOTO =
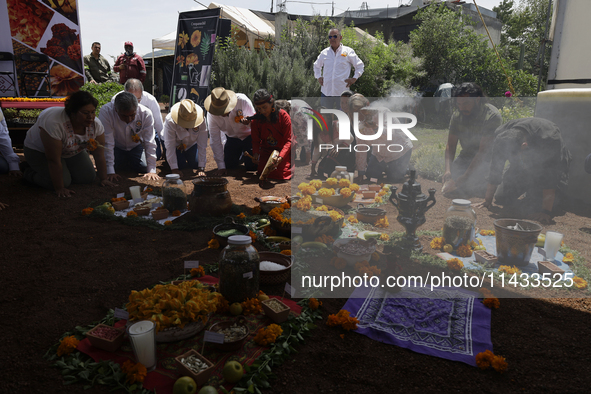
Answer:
(333, 66)
(226, 118)
(135, 87)
(185, 137)
(129, 137)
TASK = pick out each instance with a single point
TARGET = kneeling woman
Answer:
(270, 131)
(56, 146)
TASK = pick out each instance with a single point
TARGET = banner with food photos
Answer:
(49, 27)
(195, 46)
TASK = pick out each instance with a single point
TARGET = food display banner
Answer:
(49, 27)
(194, 49)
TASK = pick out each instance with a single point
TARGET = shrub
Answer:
(103, 92)
(429, 161)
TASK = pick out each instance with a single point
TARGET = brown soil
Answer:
(60, 270)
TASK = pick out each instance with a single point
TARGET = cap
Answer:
(239, 239)
(128, 43)
(460, 202)
(173, 176)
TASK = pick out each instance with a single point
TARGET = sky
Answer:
(112, 22)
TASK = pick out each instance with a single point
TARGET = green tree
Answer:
(454, 53)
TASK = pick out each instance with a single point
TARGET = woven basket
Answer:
(275, 277)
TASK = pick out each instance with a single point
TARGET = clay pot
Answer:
(210, 197)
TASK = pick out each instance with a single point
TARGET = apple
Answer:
(232, 371)
(236, 309)
(184, 385)
(208, 390)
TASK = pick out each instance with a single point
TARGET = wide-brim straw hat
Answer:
(220, 101)
(186, 114)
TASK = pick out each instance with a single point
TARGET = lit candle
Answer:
(135, 192)
(552, 244)
(143, 342)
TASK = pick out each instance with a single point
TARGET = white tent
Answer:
(244, 19)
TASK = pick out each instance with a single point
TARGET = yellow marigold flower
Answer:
(286, 252)
(342, 319)
(309, 190)
(322, 208)
(313, 303)
(213, 244)
(384, 237)
(499, 363)
(324, 192)
(135, 138)
(253, 236)
(87, 211)
(386, 188)
(580, 283)
(331, 181)
(252, 306)
(352, 219)
(316, 183)
(131, 213)
(135, 372)
(381, 193)
(464, 251)
(346, 192)
(354, 187)
(302, 186)
(382, 223)
(167, 223)
(492, 302)
(182, 147)
(268, 335)
(437, 243)
(256, 210)
(568, 258)
(509, 270)
(67, 345)
(335, 216)
(344, 182)
(455, 264)
(483, 359)
(241, 215)
(198, 272)
(378, 199)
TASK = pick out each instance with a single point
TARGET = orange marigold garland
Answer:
(314, 304)
(455, 264)
(67, 345)
(131, 213)
(486, 359)
(197, 272)
(354, 187)
(437, 243)
(252, 306)
(464, 251)
(213, 244)
(268, 335)
(87, 211)
(135, 372)
(342, 319)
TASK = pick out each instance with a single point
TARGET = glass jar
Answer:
(459, 223)
(340, 172)
(174, 196)
(239, 269)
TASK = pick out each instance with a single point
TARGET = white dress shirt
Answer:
(6, 146)
(174, 135)
(335, 67)
(150, 101)
(119, 134)
(219, 125)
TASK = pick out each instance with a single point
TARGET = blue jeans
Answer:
(395, 170)
(134, 159)
(330, 102)
(187, 158)
(234, 153)
(3, 165)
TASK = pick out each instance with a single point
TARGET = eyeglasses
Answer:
(331, 37)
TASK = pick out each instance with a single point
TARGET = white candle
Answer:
(135, 192)
(141, 336)
(552, 244)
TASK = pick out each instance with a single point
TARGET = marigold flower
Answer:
(286, 252)
(437, 243)
(67, 345)
(354, 187)
(335, 216)
(302, 186)
(182, 147)
(483, 359)
(167, 223)
(222, 304)
(92, 145)
(252, 306)
(346, 192)
(304, 203)
(131, 213)
(316, 183)
(580, 283)
(499, 363)
(269, 232)
(378, 199)
(343, 319)
(268, 335)
(253, 236)
(135, 372)
(344, 182)
(492, 303)
(568, 258)
(464, 251)
(338, 262)
(256, 210)
(313, 303)
(384, 237)
(332, 181)
(352, 219)
(176, 213)
(487, 232)
(327, 239)
(509, 270)
(237, 119)
(213, 244)
(241, 215)
(324, 192)
(135, 138)
(197, 272)
(87, 211)
(382, 223)
(381, 193)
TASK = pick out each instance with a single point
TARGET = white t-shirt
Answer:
(57, 124)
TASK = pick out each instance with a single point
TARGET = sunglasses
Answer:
(335, 37)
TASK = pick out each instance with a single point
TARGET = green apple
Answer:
(184, 385)
(232, 371)
(236, 309)
(208, 390)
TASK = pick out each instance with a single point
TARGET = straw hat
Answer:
(220, 101)
(186, 114)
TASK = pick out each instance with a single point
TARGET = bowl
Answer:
(336, 201)
(322, 224)
(275, 277)
(110, 345)
(120, 205)
(514, 247)
(267, 203)
(160, 214)
(235, 344)
(369, 215)
(354, 250)
(227, 226)
(275, 310)
(200, 378)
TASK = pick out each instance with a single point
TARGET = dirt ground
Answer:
(60, 270)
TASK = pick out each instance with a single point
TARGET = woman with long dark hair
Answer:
(271, 131)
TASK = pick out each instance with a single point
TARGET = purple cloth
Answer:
(446, 322)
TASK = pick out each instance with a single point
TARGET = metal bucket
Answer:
(514, 247)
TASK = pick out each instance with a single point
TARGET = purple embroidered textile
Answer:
(446, 322)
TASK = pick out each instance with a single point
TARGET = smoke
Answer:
(400, 99)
